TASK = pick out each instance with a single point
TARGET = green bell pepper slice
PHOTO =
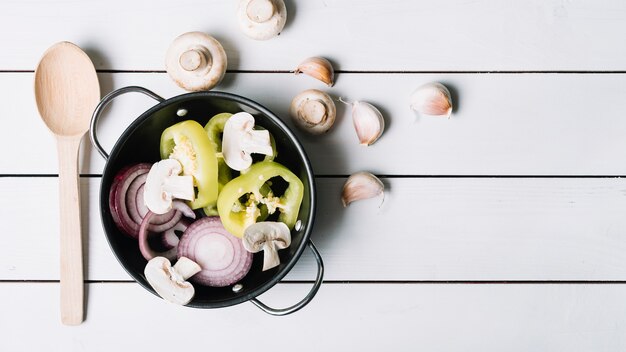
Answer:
(187, 142)
(214, 129)
(240, 201)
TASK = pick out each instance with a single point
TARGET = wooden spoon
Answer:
(67, 91)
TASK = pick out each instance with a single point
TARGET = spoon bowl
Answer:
(67, 91)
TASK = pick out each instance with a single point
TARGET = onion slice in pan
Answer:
(138, 210)
(126, 202)
(169, 238)
(222, 257)
(117, 198)
(145, 249)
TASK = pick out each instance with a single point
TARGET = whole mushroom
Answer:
(196, 61)
(313, 111)
(261, 19)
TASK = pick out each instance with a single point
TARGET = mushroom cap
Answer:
(313, 111)
(196, 61)
(163, 185)
(155, 199)
(257, 235)
(261, 19)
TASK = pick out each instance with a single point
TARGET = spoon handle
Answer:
(71, 239)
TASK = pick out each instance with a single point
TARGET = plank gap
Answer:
(384, 282)
(390, 176)
(401, 72)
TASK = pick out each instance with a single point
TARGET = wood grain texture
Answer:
(70, 232)
(428, 229)
(67, 91)
(357, 35)
(531, 124)
(488, 318)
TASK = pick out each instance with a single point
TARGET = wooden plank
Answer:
(533, 124)
(341, 317)
(427, 229)
(356, 34)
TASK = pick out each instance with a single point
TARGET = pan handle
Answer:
(104, 102)
(307, 299)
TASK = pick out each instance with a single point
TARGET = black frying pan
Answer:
(140, 143)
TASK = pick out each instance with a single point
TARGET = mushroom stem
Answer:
(180, 187)
(270, 256)
(186, 268)
(258, 142)
(313, 111)
(195, 59)
(260, 11)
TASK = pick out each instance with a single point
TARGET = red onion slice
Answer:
(127, 203)
(222, 257)
(169, 239)
(132, 195)
(117, 198)
(144, 248)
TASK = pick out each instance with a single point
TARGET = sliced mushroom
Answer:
(261, 19)
(267, 236)
(240, 140)
(313, 111)
(196, 61)
(171, 282)
(164, 184)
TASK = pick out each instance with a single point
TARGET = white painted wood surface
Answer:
(503, 122)
(343, 317)
(395, 35)
(444, 229)
(563, 227)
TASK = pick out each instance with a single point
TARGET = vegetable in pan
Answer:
(199, 166)
(187, 142)
(239, 201)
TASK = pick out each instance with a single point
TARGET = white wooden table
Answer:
(504, 227)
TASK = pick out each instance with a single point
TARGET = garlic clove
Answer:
(361, 185)
(313, 111)
(368, 121)
(318, 68)
(432, 99)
